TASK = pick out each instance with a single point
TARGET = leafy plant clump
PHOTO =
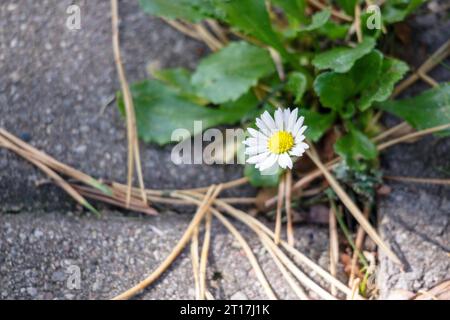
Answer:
(268, 54)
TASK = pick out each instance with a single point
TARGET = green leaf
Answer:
(342, 59)
(348, 111)
(256, 179)
(160, 110)
(366, 70)
(296, 84)
(318, 20)
(251, 17)
(333, 30)
(318, 123)
(392, 71)
(355, 145)
(229, 73)
(190, 10)
(180, 80)
(348, 6)
(369, 24)
(246, 107)
(335, 89)
(294, 9)
(427, 110)
(397, 10)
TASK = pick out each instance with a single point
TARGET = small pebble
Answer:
(32, 291)
(25, 136)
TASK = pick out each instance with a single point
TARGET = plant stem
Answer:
(134, 157)
(288, 205)
(357, 214)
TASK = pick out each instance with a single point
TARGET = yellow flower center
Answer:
(281, 142)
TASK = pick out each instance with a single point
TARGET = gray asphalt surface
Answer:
(43, 252)
(56, 90)
(414, 218)
(56, 87)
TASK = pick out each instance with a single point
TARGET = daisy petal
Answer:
(297, 126)
(299, 138)
(270, 160)
(292, 120)
(286, 115)
(304, 146)
(279, 119)
(263, 127)
(258, 158)
(260, 137)
(254, 150)
(299, 149)
(268, 120)
(251, 142)
(285, 161)
(253, 132)
(302, 130)
(271, 170)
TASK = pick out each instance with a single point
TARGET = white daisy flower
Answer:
(278, 142)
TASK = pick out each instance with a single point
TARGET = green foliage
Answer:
(245, 106)
(297, 84)
(258, 180)
(190, 10)
(318, 20)
(331, 79)
(355, 145)
(348, 6)
(368, 18)
(372, 78)
(398, 10)
(229, 73)
(318, 123)
(427, 110)
(334, 89)
(333, 30)
(294, 9)
(379, 90)
(180, 80)
(342, 59)
(251, 17)
(177, 78)
(160, 110)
